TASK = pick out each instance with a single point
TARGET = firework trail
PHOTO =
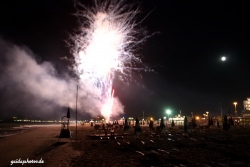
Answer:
(104, 46)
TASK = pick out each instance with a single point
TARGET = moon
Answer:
(223, 58)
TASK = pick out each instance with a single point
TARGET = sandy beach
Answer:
(201, 147)
(36, 143)
(205, 147)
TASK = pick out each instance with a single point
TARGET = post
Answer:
(207, 113)
(76, 108)
(142, 118)
(235, 103)
(220, 110)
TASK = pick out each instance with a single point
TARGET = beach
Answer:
(38, 142)
(199, 147)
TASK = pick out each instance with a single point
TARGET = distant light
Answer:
(168, 111)
(223, 58)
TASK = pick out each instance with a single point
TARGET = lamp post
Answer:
(204, 119)
(235, 103)
(76, 108)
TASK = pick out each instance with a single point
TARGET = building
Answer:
(246, 104)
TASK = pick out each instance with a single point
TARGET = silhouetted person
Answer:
(126, 126)
(112, 132)
(185, 124)
(137, 127)
(105, 131)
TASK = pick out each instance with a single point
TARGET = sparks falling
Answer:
(104, 47)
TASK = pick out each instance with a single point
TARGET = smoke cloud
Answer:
(30, 87)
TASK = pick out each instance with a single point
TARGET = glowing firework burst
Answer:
(104, 45)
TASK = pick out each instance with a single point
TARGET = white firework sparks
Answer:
(105, 44)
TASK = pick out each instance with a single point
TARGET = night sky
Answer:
(185, 52)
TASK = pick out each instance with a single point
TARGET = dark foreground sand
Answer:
(213, 147)
(37, 143)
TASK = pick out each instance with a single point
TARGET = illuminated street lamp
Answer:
(168, 112)
(207, 113)
(235, 103)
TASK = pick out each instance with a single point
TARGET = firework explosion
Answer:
(104, 46)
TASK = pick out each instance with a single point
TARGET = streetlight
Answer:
(207, 113)
(168, 112)
(235, 103)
